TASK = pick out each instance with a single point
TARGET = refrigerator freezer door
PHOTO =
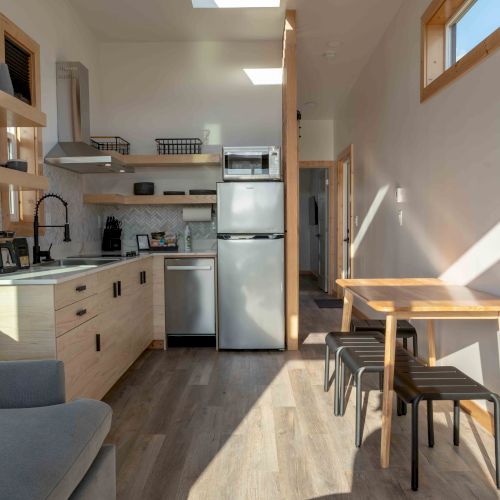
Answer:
(251, 294)
(250, 207)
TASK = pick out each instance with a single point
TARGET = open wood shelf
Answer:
(120, 199)
(16, 113)
(199, 160)
(22, 180)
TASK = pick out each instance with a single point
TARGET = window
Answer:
(25, 143)
(456, 35)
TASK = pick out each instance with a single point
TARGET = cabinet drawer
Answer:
(78, 350)
(74, 290)
(71, 316)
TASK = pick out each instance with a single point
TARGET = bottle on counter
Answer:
(187, 239)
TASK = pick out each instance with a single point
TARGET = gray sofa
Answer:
(51, 449)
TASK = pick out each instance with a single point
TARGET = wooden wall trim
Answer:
(291, 178)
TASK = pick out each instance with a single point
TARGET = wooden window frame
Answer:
(433, 72)
(30, 138)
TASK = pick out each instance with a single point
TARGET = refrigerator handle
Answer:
(250, 236)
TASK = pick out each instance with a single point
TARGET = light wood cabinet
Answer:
(74, 290)
(98, 325)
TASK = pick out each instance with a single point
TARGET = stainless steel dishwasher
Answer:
(190, 301)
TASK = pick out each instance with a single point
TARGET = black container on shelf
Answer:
(178, 146)
(111, 143)
(144, 188)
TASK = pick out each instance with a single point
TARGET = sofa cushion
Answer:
(46, 451)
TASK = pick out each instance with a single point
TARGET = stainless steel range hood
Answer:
(73, 151)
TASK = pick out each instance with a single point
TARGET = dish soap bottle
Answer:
(187, 239)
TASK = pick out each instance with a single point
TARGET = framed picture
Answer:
(142, 242)
(8, 261)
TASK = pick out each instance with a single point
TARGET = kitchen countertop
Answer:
(40, 275)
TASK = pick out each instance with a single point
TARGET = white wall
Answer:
(316, 140)
(446, 153)
(55, 26)
(179, 89)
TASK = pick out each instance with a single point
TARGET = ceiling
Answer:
(351, 29)
(176, 20)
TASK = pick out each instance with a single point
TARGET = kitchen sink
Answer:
(98, 261)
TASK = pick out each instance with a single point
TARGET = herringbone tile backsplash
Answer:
(148, 219)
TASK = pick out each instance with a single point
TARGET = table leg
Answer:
(347, 313)
(431, 342)
(388, 396)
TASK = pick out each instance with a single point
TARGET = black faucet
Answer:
(37, 253)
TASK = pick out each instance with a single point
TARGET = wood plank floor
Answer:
(194, 423)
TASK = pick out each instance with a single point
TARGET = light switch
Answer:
(400, 217)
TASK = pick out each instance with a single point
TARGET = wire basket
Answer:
(111, 143)
(178, 146)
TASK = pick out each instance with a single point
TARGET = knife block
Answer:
(112, 240)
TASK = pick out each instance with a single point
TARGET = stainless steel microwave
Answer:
(262, 163)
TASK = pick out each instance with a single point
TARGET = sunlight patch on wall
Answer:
(370, 215)
(483, 255)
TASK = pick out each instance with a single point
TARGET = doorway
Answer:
(317, 225)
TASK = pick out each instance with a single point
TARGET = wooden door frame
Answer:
(290, 155)
(346, 154)
(331, 166)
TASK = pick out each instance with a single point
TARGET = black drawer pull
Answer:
(81, 312)
(120, 288)
(115, 289)
(97, 342)
(81, 288)
(141, 278)
(144, 273)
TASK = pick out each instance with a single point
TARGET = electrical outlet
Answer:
(356, 221)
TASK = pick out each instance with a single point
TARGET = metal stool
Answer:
(336, 342)
(404, 331)
(444, 383)
(367, 359)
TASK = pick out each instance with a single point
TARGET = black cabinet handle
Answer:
(120, 288)
(141, 278)
(81, 288)
(97, 342)
(144, 272)
(115, 289)
(81, 312)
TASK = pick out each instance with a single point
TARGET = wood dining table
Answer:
(413, 298)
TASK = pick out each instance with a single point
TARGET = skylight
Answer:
(265, 76)
(234, 4)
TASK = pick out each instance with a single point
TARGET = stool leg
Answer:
(405, 344)
(359, 394)
(341, 387)
(414, 445)
(327, 368)
(430, 424)
(456, 423)
(496, 403)
(415, 345)
(336, 386)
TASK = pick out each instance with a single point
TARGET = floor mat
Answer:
(329, 303)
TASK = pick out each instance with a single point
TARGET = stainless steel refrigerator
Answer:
(250, 251)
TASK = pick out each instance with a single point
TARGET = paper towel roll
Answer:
(197, 214)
